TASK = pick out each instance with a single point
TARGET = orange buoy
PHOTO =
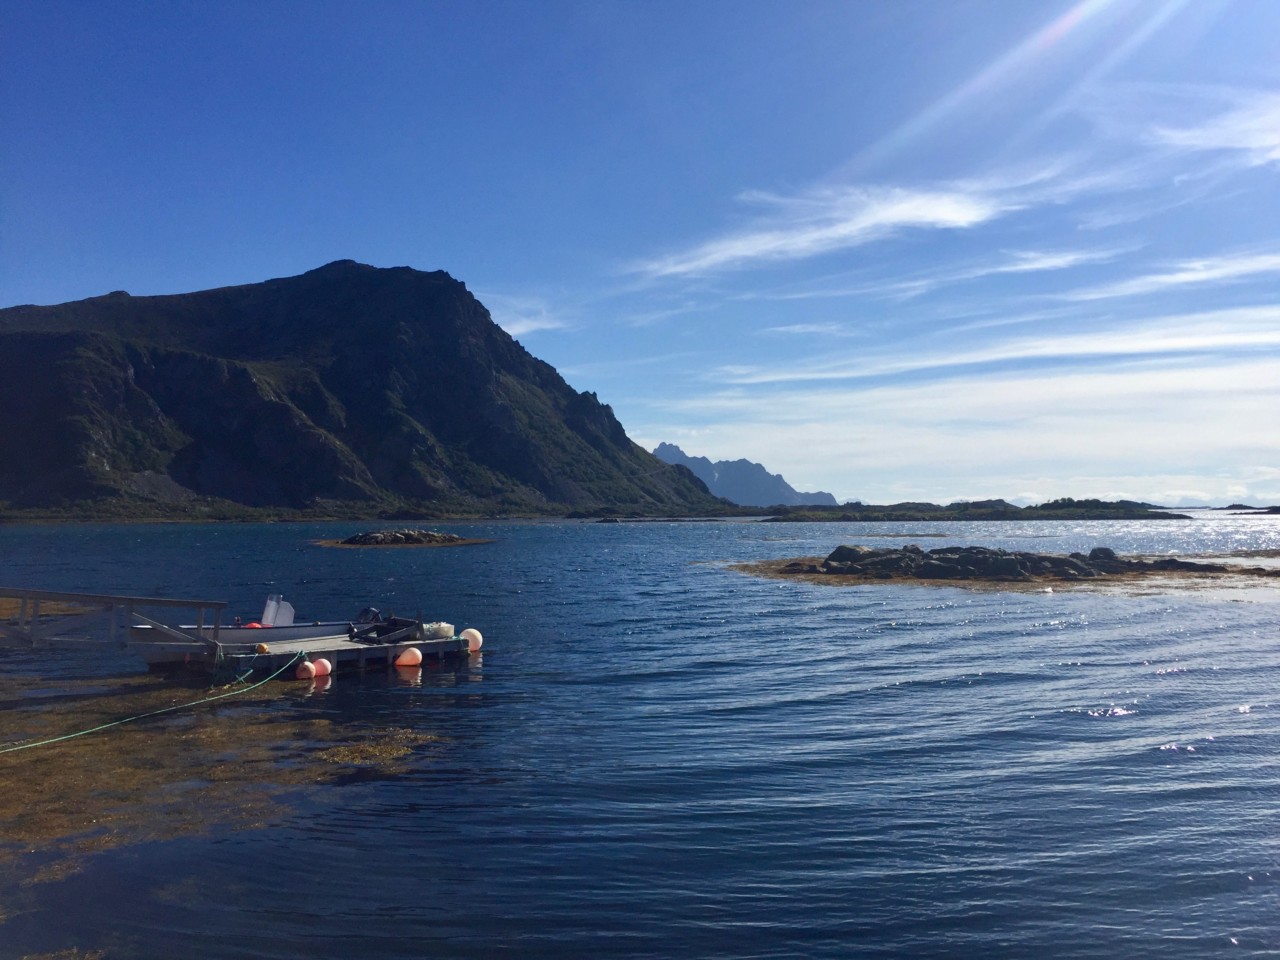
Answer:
(409, 657)
(253, 626)
(305, 670)
(323, 667)
(474, 640)
(262, 648)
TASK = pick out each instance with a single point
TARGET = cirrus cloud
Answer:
(829, 220)
(1206, 270)
(1252, 128)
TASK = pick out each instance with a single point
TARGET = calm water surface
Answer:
(657, 756)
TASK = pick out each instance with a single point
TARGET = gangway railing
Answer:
(42, 617)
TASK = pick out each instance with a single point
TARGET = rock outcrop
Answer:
(398, 538)
(986, 563)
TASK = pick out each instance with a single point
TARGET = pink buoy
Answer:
(323, 667)
(305, 670)
(474, 640)
(409, 657)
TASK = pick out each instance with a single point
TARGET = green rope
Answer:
(155, 713)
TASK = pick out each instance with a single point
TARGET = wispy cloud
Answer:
(1186, 273)
(1016, 262)
(984, 398)
(1252, 128)
(1033, 261)
(520, 316)
(1245, 328)
(612, 368)
(825, 329)
(1010, 449)
(1012, 262)
(827, 220)
(525, 325)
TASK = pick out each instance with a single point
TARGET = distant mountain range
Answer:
(743, 482)
(347, 390)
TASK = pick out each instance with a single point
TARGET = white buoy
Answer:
(306, 670)
(474, 640)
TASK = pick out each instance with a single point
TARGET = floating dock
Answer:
(47, 618)
(343, 653)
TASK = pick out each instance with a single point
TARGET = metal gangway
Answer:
(48, 618)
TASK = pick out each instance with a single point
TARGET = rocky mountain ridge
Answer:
(348, 389)
(742, 481)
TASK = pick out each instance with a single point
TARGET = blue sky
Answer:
(892, 249)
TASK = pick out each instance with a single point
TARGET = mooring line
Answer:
(154, 713)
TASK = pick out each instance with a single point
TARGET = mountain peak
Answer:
(742, 481)
(335, 267)
(390, 387)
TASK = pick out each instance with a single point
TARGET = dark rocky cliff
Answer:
(350, 384)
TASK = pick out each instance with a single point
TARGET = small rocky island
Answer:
(403, 538)
(860, 564)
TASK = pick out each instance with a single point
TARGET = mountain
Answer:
(742, 481)
(349, 389)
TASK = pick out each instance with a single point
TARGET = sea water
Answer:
(659, 756)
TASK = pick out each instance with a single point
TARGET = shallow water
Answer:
(658, 756)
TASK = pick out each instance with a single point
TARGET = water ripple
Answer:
(657, 756)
